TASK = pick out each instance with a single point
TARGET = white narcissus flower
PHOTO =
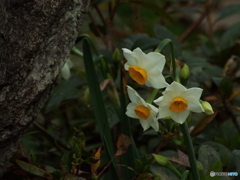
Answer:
(145, 68)
(177, 102)
(66, 69)
(141, 110)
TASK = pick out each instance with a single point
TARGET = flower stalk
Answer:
(184, 126)
(190, 150)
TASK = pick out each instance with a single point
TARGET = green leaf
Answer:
(230, 36)
(154, 6)
(33, 169)
(64, 91)
(58, 144)
(57, 174)
(224, 152)
(164, 172)
(66, 162)
(185, 175)
(236, 159)
(217, 80)
(163, 33)
(157, 177)
(228, 11)
(210, 160)
(132, 153)
(143, 41)
(98, 103)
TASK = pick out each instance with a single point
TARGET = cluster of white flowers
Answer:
(176, 101)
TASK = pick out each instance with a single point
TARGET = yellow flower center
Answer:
(142, 112)
(178, 104)
(138, 74)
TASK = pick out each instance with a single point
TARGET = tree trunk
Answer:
(36, 37)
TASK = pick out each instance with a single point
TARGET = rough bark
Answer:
(36, 37)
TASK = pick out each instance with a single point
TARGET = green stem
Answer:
(76, 52)
(174, 68)
(184, 126)
(191, 154)
(152, 96)
(162, 45)
(174, 170)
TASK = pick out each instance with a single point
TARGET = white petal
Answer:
(145, 124)
(163, 112)
(65, 72)
(133, 96)
(163, 101)
(157, 60)
(141, 57)
(194, 105)
(194, 92)
(130, 111)
(153, 108)
(156, 101)
(169, 94)
(177, 88)
(154, 125)
(157, 82)
(129, 57)
(69, 63)
(180, 117)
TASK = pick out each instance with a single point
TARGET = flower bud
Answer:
(207, 107)
(185, 72)
(86, 97)
(161, 159)
(116, 55)
(112, 93)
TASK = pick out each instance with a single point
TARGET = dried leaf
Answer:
(203, 123)
(211, 98)
(76, 171)
(122, 144)
(96, 155)
(234, 94)
(235, 107)
(104, 84)
(182, 159)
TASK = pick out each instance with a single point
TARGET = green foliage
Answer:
(210, 160)
(88, 110)
(229, 37)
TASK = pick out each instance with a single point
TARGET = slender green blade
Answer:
(97, 101)
(132, 152)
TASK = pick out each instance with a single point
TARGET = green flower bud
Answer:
(86, 97)
(207, 107)
(112, 93)
(116, 55)
(185, 72)
(161, 159)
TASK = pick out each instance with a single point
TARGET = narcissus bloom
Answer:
(145, 68)
(141, 110)
(177, 102)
